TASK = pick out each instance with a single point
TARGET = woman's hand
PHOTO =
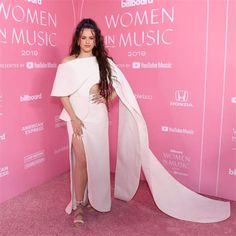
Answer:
(97, 98)
(77, 126)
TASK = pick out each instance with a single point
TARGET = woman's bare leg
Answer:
(80, 176)
(80, 169)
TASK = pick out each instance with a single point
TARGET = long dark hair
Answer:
(99, 52)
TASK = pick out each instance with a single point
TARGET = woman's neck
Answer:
(82, 55)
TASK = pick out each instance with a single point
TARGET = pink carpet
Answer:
(40, 211)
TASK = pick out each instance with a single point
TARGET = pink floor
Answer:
(40, 211)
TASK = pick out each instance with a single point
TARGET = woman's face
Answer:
(86, 41)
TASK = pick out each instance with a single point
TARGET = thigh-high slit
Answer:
(96, 147)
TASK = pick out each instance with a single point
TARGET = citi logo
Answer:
(133, 3)
(38, 2)
(233, 99)
(28, 98)
(232, 172)
(181, 95)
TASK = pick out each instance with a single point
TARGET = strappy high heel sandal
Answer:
(89, 207)
(79, 214)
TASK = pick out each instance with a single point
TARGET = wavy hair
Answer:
(99, 51)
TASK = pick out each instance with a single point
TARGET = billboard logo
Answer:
(164, 128)
(39, 2)
(133, 3)
(29, 65)
(28, 98)
(136, 65)
(181, 99)
(233, 99)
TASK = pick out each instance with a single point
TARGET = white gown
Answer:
(74, 79)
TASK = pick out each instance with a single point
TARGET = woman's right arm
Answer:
(77, 124)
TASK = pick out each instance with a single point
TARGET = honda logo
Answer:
(181, 95)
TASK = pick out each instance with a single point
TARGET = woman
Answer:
(85, 82)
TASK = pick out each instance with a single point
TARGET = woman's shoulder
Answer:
(68, 58)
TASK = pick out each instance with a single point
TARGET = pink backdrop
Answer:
(34, 37)
(179, 57)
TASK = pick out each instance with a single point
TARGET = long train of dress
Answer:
(170, 196)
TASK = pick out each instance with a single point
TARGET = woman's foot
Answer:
(89, 207)
(79, 215)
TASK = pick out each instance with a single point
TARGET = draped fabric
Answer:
(133, 152)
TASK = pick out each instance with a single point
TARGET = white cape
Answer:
(170, 196)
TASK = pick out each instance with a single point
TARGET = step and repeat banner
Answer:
(178, 56)
(34, 37)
